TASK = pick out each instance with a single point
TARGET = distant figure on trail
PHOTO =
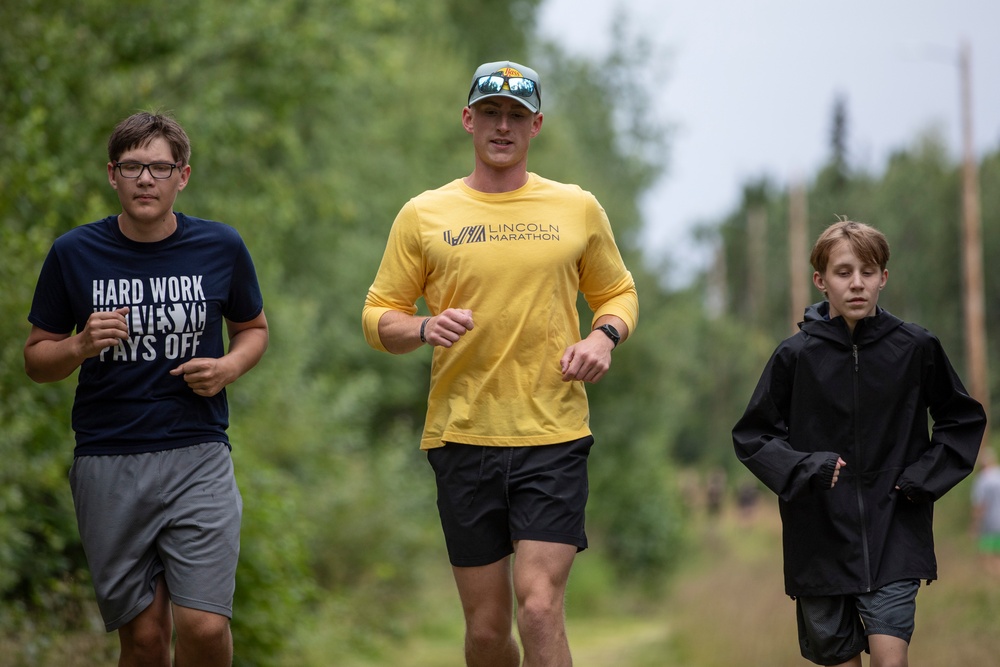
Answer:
(500, 257)
(715, 491)
(746, 499)
(837, 427)
(986, 510)
(140, 303)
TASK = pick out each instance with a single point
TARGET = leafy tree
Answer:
(311, 123)
(915, 202)
(838, 143)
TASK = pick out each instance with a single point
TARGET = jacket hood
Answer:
(817, 322)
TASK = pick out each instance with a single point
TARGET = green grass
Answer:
(728, 607)
(725, 606)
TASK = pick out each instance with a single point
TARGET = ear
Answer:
(467, 119)
(112, 178)
(885, 278)
(185, 175)
(819, 282)
(536, 124)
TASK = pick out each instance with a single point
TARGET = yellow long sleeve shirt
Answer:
(517, 260)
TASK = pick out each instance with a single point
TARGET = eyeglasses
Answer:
(158, 170)
(517, 85)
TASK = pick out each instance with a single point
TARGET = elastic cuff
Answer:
(913, 493)
(823, 479)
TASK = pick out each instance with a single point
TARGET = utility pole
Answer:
(798, 251)
(717, 299)
(756, 261)
(972, 248)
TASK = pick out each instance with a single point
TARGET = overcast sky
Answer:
(750, 86)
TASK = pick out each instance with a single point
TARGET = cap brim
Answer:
(523, 100)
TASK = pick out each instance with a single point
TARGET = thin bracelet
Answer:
(423, 325)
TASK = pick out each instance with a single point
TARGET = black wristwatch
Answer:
(610, 332)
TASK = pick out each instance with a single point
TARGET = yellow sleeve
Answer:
(605, 282)
(401, 275)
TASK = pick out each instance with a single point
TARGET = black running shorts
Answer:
(490, 497)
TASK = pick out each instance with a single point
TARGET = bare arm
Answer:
(247, 342)
(978, 511)
(400, 333)
(50, 357)
(590, 359)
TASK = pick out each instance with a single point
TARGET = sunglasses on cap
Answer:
(494, 83)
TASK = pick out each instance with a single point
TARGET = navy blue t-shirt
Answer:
(179, 291)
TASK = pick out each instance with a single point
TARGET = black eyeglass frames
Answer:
(158, 170)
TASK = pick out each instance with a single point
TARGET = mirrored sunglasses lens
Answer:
(521, 87)
(490, 84)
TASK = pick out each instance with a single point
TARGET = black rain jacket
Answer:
(866, 399)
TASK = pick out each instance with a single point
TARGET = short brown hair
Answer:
(868, 243)
(141, 128)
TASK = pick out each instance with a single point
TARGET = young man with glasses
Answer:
(138, 302)
(499, 257)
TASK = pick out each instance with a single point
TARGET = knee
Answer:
(486, 633)
(145, 643)
(540, 611)
(201, 628)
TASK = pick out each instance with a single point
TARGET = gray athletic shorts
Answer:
(833, 629)
(175, 513)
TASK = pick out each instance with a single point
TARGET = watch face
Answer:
(611, 332)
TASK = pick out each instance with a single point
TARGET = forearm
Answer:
(622, 303)
(246, 348)
(51, 360)
(399, 332)
(50, 357)
(978, 511)
(618, 323)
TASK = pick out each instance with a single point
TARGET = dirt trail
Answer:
(727, 606)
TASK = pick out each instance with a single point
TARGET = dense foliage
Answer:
(916, 202)
(312, 123)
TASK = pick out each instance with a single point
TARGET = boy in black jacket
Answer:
(837, 427)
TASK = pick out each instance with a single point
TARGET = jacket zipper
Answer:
(857, 486)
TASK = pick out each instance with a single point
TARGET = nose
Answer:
(145, 175)
(503, 122)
